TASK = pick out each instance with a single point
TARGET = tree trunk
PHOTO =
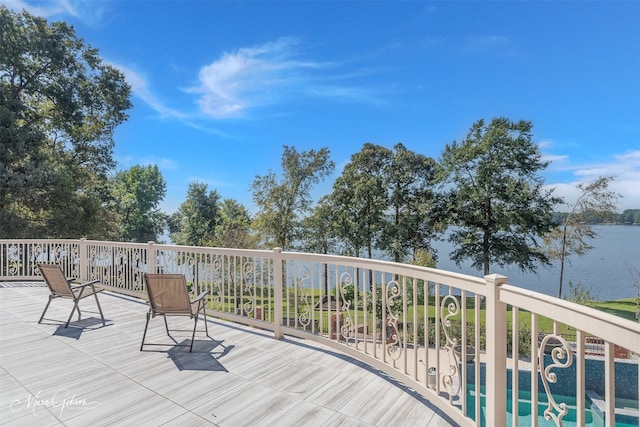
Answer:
(485, 253)
(563, 250)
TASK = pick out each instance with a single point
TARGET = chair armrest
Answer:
(82, 285)
(199, 297)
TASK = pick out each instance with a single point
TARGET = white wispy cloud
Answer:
(624, 167)
(626, 170)
(263, 75)
(44, 10)
(555, 159)
(141, 89)
(90, 13)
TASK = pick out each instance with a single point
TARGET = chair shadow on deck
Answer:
(204, 357)
(76, 328)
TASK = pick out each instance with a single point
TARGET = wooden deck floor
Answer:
(90, 374)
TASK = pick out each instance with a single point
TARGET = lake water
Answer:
(606, 269)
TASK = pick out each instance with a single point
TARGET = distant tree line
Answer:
(60, 106)
(628, 216)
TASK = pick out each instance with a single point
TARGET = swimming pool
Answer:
(592, 416)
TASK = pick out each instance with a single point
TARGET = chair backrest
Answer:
(168, 294)
(56, 280)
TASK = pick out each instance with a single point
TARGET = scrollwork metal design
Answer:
(558, 353)
(393, 344)
(57, 251)
(93, 274)
(13, 259)
(74, 255)
(303, 304)
(137, 276)
(347, 330)
(247, 288)
(217, 279)
(119, 266)
(451, 306)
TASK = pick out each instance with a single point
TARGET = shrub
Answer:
(581, 295)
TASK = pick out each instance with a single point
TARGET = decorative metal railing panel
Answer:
(19, 258)
(456, 339)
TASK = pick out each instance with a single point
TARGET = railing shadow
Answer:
(367, 367)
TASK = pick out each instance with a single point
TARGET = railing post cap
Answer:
(277, 249)
(151, 242)
(496, 279)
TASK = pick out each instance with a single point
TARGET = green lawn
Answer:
(625, 308)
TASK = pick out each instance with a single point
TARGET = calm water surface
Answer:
(606, 269)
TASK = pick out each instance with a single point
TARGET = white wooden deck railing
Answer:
(456, 339)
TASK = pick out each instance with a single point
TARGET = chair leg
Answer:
(46, 307)
(193, 335)
(76, 300)
(166, 325)
(75, 306)
(204, 312)
(99, 308)
(145, 330)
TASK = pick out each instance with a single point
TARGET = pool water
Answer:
(592, 417)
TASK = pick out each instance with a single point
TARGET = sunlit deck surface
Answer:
(90, 374)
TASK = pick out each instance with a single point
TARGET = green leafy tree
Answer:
(422, 258)
(495, 196)
(570, 236)
(59, 107)
(234, 226)
(319, 234)
(137, 192)
(284, 202)
(360, 199)
(195, 222)
(411, 221)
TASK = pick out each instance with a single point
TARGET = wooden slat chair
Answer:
(169, 296)
(61, 287)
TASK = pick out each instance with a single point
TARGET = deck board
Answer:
(240, 376)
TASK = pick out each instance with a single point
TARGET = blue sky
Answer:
(220, 86)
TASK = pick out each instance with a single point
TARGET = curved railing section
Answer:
(470, 345)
